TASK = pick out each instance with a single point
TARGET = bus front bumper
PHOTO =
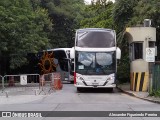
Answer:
(95, 86)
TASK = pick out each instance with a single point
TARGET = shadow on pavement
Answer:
(99, 90)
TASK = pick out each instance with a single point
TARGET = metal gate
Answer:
(27, 84)
(156, 76)
(20, 84)
(1, 82)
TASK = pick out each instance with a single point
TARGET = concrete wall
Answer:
(140, 34)
(139, 65)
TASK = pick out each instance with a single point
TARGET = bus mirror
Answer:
(118, 53)
(68, 59)
(72, 53)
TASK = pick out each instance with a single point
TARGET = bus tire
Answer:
(79, 89)
(72, 82)
(110, 89)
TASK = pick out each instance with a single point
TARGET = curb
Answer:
(132, 94)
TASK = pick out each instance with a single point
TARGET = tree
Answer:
(98, 15)
(147, 9)
(22, 30)
(123, 12)
(66, 15)
(132, 13)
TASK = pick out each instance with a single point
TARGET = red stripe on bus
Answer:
(74, 77)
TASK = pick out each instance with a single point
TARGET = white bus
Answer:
(62, 55)
(96, 54)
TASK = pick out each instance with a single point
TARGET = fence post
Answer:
(52, 83)
(42, 83)
(3, 84)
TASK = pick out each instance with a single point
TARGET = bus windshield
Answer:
(95, 39)
(95, 63)
(61, 56)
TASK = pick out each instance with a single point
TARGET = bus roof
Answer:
(94, 29)
(56, 49)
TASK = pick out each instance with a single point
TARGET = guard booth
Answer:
(142, 55)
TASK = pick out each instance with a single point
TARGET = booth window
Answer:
(137, 50)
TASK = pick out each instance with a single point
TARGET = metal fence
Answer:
(46, 83)
(1, 85)
(156, 76)
(29, 84)
(20, 84)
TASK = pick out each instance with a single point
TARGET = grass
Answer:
(155, 93)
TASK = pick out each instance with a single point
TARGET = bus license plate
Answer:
(95, 84)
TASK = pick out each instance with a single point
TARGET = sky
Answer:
(89, 1)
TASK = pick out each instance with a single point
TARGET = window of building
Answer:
(136, 50)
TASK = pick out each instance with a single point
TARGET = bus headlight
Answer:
(80, 78)
(111, 77)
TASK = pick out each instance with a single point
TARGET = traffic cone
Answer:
(57, 81)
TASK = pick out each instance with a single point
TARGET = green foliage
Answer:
(148, 9)
(123, 11)
(22, 30)
(132, 13)
(123, 69)
(155, 93)
(98, 16)
(66, 15)
(33, 25)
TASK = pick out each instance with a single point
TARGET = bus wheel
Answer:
(72, 82)
(110, 89)
(79, 89)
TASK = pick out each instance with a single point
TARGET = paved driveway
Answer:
(68, 99)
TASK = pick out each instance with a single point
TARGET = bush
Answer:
(155, 93)
(123, 70)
